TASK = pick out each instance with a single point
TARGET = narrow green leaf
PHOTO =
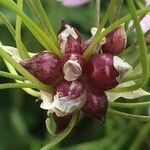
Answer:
(46, 41)
(62, 135)
(41, 17)
(21, 49)
(116, 10)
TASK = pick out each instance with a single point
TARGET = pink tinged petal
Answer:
(73, 3)
(147, 2)
(145, 23)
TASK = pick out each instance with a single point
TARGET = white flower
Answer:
(73, 3)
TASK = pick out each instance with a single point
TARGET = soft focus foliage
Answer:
(22, 122)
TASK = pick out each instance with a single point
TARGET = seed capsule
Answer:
(44, 66)
(69, 97)
(103, 70)
(96, 105)
(73, 66)
(115, 41)
(69, 39)
(61, 122)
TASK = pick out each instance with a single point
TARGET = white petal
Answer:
(147, 2)
(72, 70)
(112, 96)
(73, 3)
(64, 35)
(47, 99)
(145, 23)
(121, 65)
(64, 105)
(13, 52)
(93, 32)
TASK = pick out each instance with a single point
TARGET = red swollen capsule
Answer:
(73, 66)
(69, 39)
(61, 122)
(115, 41)
(96, 105)
(44, 66)
(103, 70)
(69, 97)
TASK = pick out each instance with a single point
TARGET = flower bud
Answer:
(96, 105)
(61, 122)
(69, 97)
(115, 41)
(103, 70)
(44, 66)
(89, 41)
(69, 39)
(73, 66)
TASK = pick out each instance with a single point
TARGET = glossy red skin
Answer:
(115, 41)
(96, 105)
(63, 89)
(61, 122)
(76, 57)
(44, 66)
(73, 45)
(100, 72)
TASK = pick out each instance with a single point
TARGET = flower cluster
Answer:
(79, 83)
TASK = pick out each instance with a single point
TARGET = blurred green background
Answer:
(22, 122)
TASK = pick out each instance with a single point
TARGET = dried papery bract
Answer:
(69, 39)
(70, 96)
(74, 66)
(44, 66)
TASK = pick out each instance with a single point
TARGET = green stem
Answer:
(143, 53)
(97, 12)
(23, 71)
(109, 29)
(135, 63)
(22, 51)
(130, 105)
(46, 41)
(129, 49)
(116, 11)
(62, 135)
(129, 116)
(46, 23)
(131, 77)
(141, 136)
(10, 27)
(18, 85)
(27, 90)
(12, 76)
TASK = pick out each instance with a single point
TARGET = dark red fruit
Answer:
(44, 66)
(61, 122)
(96, 105)
(115, 41)
(74, 66)
(101, 73)
(71, 89)
(69, 39)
